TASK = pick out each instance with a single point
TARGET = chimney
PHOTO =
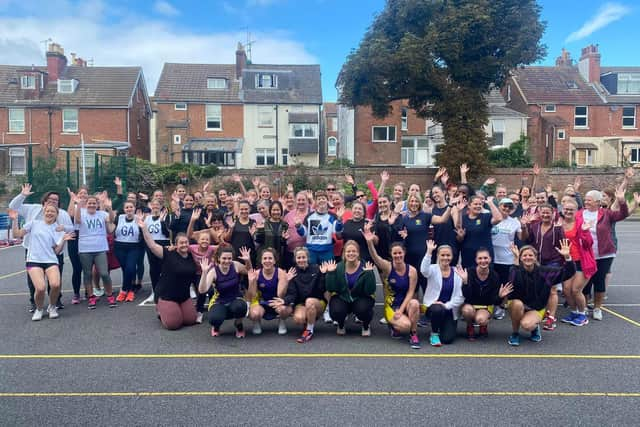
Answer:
(241, 60)
(589, 65)
(564, 60)
(56, 61)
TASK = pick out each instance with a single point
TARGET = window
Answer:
(66, 86)
(414, 151)
(635, 155)
(334, 124)
(214, 117)
(550, 108)
(16, 120)
(181, 106)
(28, 82)
(216, 83)
(177, 139)
(303, 130)
(561, 134)
(285, 156)
(628, 117)
(69, 120)
(403, 120)
(383, 133)
(208, 158)
(497, 133)
(266, 80)
(628, 83)
(17, 161)
(580, 119)
(583, 157)
(265, 156)
(265, 116)
(332, 146)
(571, 84)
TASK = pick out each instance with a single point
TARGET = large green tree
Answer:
(443, 56)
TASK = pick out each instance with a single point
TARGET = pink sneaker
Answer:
(75, 299)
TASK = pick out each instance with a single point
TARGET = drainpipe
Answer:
(49, 113)
(277, 151)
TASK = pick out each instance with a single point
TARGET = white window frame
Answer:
(334, 124)
(388, 139)
(265, 111)
(561, 134)
(626, 79)
(631, 126)
(70, 125)
(216, 83)
(265, 154)
(261, 79)
(332, 151)
(589, 159)
(498, 126)
(414, 155)
(213, 113)
(305, 128)
(16, 153)
(404, 119)
(16, 125)
(89, 158)
(285, 157)
(584, 116)
(180, 106)
(67, 86)
(28, 82)
(549, 108)
(637, 151)
(177, 139)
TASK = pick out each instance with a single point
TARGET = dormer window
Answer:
(628, 83)
(67, 86)
(28, 82)
(571, 84)
(216, 83)
(267, 81)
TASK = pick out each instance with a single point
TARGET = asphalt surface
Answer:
(119, 367)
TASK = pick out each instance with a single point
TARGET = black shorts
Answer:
(43, 265)
(578, 266)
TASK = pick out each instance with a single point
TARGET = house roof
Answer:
(297, 84)
(97, 86)
(604, 70)
(555, 85)
(502, 111)
(330, 108)
(188, 82)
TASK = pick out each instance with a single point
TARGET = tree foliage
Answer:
(443, 56)
(513, 156)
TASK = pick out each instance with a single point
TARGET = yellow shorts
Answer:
(323, 304)
(489, 308)
(540, 312)
(388, 313)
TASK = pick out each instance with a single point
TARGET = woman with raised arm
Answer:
(482, 291)
(474, 230)
(305, 293)
(158, 227)
(267, 289)
(227, 302)
(354, 227)
(178, 271)
(47, 241)
(352, 285)
(443, 296)
(400, 279)
(127, 247)
(241, 232)
(532, 284)
(273, 232)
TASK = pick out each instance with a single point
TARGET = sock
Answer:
(310, 327)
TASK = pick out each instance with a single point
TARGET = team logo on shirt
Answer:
(478, 222)
(392, 280)
(317, 229)
(418, 222)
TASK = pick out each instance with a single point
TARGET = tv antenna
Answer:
(248, 43)
(44, 42)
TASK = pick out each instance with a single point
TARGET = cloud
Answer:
(165, 8)
(137, 41)
(608, 13)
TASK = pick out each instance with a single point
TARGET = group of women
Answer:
(465, 254)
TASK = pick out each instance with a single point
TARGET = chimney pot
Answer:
(589, 65)
(56, 62)
(241, 60)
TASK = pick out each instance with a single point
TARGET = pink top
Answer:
(295, 239)
(198, 256)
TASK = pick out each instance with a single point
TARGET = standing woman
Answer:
(532, 285)
(184, 210)
(273, 232)
(72, 247)
(354, 227)
(172, 291)
(42, 257)
(382, 227)
(296, 216)
(227, 302)
(127, 247)
(474, 229)
(241, 232)
(267, 289)
(444, 233)
(401, 310)
(353, 285)
(157, 226)
(443, 296)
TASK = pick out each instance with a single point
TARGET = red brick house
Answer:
(330, 132)
(51, 108)
(584, 114)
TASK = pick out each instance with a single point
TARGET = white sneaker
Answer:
(498, 314)
(327, 317)
(37, 314)
(382, 321)
(366, 332)
(355, 319)
(257, 328)
(199, 318)
(192, 293)
(597, 314)
(149, 299)
(282, 327)
(52, 310)
(341, 331)
(98, 292)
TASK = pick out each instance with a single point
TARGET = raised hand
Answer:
(460, 232)
(565, 245)
(143, 196)
(431, 246)
(464, 169)
(140, 220)
(620, 194)
(13, 214)
(69, 236)
(403, 233)
(515, 250)
(340, 212)
(384, 176)
(392, 217)
(536, 169)
(445, 177)
(256, 182)
(349, 179)
(289, 187)
(328, 266)
(245, 254)
(291, 274)
(526, 219)
(490, 181)
(636, 197)
(117, 181)
(286, 234)
(628, 173)
(462, 272)
(252, 275)
(205, 186)
(505, 289)
(577, 182)
(586, 225)
(205, 265)
(195, 214)
(26, 190)
(236, 178)
(368, 235)
(368, 266)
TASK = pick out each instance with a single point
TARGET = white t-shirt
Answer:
(92, 232)
(127, 231)
(502, 236)
(44, 238)
(592, 217)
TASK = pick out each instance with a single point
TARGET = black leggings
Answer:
(236, 309)
(76, 276)
(155, 264)
(598, 280)
(442, 323)
(362, 307)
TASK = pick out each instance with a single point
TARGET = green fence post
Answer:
(96, 161)
(77, 172)
(69, 169)
(30, 165)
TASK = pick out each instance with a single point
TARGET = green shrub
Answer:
(561, 163)
(514, 156)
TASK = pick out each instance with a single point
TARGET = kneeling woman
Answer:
(267, 288)
(178, 270)
(352, 284)
(305, 293)
(482, 290)
(532, 285)
(443, 296)
(401, 310)
(227, 302)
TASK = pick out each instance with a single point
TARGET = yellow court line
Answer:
(633, 322)
(321, 356)
(322, 394)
